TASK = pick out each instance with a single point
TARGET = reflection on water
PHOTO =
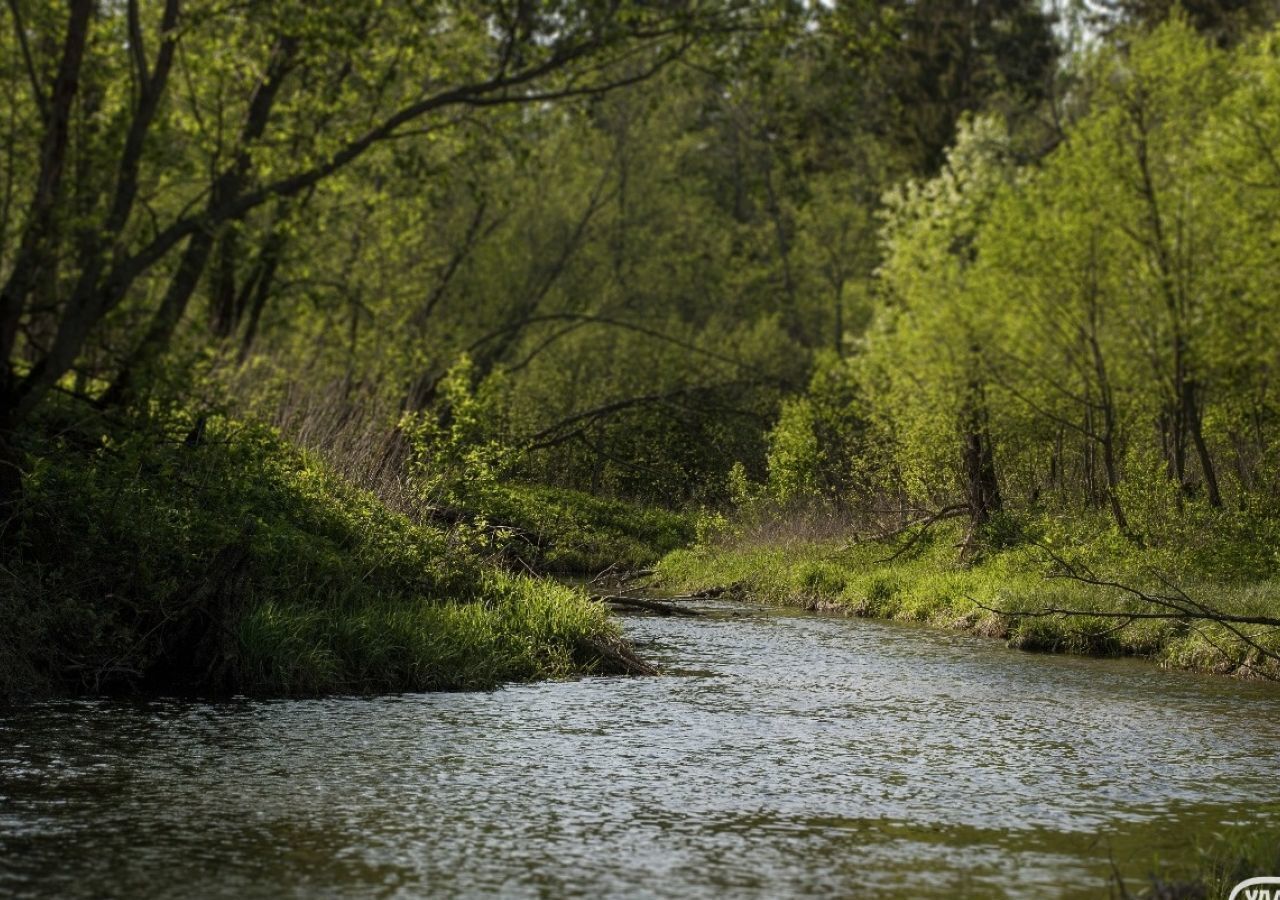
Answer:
(794, 755)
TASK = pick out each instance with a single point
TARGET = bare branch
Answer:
(1177, 606)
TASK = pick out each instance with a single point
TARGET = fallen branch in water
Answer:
(714, 592)
(661, 607)
(1176, 605)
(618, 576)
(617, 656)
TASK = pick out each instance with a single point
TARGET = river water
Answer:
(784, 754)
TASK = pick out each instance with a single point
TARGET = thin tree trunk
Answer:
(1178, 415)
(839, 316)
(981, 483)
(1195, 422)
(791, 315)
(1106, 402)
(222, 283)
(195, 257)
(268, 265)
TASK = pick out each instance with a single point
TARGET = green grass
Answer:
(241, 564)
(525, 630)
(569, 532)
(1213, 863)
(1234, 854)
(930, 586)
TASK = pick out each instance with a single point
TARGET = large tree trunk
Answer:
(224, 311)
(33, 251)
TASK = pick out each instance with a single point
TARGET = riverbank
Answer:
(810, 753)
(170, 554)
(1003, 595)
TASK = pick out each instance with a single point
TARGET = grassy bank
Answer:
(1237, 853)
(145, 556)
(1212, 864)
(929, 585)
(562, 531)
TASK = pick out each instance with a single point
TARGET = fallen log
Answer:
(715, 592)
(661, 607)
(617, 656)
(613, 575)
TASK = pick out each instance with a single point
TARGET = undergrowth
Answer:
(568, 532)
(173, 554)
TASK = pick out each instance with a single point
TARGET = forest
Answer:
(323, 324)
(394, 346)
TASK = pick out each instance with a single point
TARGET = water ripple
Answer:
(819, 756)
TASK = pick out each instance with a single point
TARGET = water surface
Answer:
(786, 755)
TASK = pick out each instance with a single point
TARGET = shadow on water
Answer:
(784, 755)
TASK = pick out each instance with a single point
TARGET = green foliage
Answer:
(1101, 325)
(930, 586)
(819, 448)
(794, 453)
(742, 491)
(565, 531)
(851, 259)
(459, 461)
(121, 557)
(922, 367)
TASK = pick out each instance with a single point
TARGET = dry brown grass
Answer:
(353, 429)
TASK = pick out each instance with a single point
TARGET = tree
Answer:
(1226, 22)
(313, 87)
(937, 61)
(926, 352)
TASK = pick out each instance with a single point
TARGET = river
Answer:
(783, 754)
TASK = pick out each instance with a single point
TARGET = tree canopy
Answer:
(924, 254)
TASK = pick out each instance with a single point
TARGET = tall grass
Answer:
(546, 529)
(1237, 853)
(524, 630)
(351, 428)
(1212, 865)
